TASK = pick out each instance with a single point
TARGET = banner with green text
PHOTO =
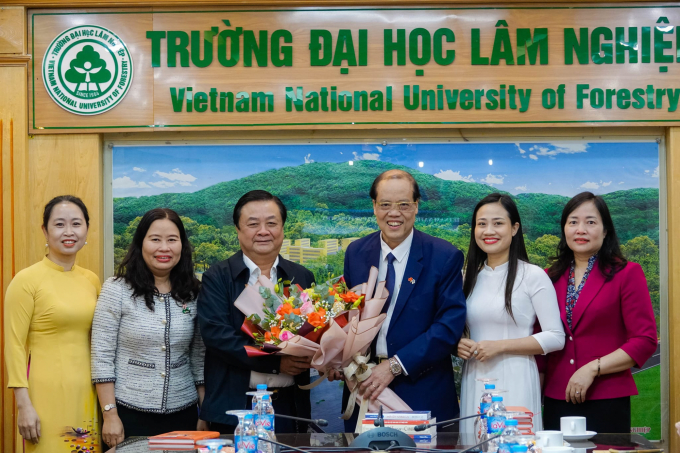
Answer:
(354, 67)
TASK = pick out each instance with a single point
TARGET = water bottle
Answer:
(261, 390)
(237, 433)
(264, 420)
(519, 449)
(248, 437)
(509, 437)
(484, 405)
(262, 445)
(264, 414)
(495, 423)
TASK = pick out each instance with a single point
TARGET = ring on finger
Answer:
(476, 352)
(373, 385)
(577, 392)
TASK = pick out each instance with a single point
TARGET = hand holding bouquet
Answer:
(329, 322)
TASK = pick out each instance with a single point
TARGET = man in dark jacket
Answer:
(229, 373)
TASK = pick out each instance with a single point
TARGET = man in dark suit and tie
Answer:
(229, 373)
(426, 307)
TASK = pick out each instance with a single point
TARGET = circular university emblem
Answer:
(87, 70)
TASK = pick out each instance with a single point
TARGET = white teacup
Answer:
(557, 450)
(573, 426)
(549, 439)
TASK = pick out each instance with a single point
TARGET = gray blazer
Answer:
(154, 357)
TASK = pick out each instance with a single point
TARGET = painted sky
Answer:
(563, 168)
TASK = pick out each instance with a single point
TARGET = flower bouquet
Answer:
(331, 323)
(289, 310)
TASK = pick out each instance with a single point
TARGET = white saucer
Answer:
(578, 437)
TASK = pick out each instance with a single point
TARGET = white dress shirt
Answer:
(400, 253)
(272, 380)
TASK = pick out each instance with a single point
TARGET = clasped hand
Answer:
(580, 382)
(380, 378)
(294, 365)
(482, 351)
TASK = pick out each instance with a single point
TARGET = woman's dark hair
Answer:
(474, 262)
(137, 274)
(610, 259)
(258, 195)
(64, 199)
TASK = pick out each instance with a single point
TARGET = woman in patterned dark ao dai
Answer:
(608, 318)
(147, 352)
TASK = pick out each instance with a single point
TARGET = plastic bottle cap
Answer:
(511, 422)
(490, 386)
(518, 448)
(496, 398)
(265, 398)
(262, 386)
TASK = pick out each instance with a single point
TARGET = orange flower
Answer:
(332, 292)
(285, 309)
(275, 331)
(349, 297)
(267, 336)
(316, 318)
(296, 311)
(322, 312)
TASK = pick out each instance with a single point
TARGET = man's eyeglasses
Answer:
(403, 206)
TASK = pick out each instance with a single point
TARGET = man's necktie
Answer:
(389, 281)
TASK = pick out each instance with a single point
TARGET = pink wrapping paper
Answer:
(339, 346)
(361, 332)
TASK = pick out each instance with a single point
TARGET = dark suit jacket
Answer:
(227, 366)
(608, 315)
(427, 322)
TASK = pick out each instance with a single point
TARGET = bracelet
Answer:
(598, 368)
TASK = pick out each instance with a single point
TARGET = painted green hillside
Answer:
(337, 188)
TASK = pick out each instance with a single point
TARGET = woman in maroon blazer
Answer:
(608, 319)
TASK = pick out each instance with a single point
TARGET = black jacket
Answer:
(227, 366)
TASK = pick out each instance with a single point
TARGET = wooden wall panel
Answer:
(60, 165)
(12, 30)
(13, 139)
(673, 197)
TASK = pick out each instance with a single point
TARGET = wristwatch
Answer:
(395, 367)
(108, 407)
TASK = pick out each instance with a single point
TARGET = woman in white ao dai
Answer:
(499, 346)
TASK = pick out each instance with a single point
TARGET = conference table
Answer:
(445, 441)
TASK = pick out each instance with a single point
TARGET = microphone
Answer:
(424, 426)
(318, 421)
(315, 423)
(382, 438)
(380, 421)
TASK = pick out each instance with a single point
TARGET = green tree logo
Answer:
(88, 70)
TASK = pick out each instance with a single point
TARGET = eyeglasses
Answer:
(403, 206)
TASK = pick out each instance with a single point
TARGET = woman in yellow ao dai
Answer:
(48, 315)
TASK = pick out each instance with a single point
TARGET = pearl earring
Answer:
(85, 242)
(46, 244)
